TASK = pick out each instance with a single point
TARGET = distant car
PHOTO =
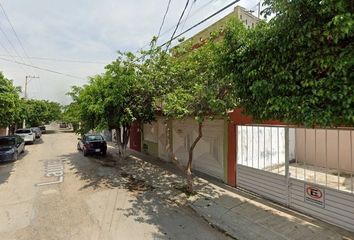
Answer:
(92, 143)
(27, 134)
(43, 129)
(10, 148)
(37, 131)
(63, 125)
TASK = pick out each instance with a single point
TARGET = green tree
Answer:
(115, 99)
(70, 114)
(201, 90)
(38, 112)
(298, 68)
(10, 104)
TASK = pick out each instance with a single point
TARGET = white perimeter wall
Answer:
(208, 154)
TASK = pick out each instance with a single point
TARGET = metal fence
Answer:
(319, 156)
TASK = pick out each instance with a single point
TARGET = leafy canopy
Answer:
(298, 68)
(201, 87)
(10, 104)
(37, 112)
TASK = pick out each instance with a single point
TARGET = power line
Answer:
(164, 17)
(12, 46)
(197, 24)
(189, 11)
(15, 33)
(43, 69)
(184, 20)
(194, 12)
(179, 21)
(14, 59)
(61, 60)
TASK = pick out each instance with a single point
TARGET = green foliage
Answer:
(114, 99)
(201, 88)
(37, 112)
(10, 104)
(298, 68)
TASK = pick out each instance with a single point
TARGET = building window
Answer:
(241, 16)
(246, 21)
(252, 24)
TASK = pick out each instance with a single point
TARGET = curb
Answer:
(213, 225)
(216, 226)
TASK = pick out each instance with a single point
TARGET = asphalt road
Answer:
(53, 192)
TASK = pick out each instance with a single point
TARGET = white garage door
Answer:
(162, 139)
(208, 154)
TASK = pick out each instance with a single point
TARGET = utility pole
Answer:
(26, 83)
(259, 9)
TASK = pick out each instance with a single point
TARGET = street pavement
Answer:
(237, 213)
(53, 192)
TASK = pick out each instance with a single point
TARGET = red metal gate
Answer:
(135, 137)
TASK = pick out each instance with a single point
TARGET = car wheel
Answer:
(104, 153)
(15, 156)
(85, 152)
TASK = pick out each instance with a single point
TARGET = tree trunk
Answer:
(118, 140)
(190, 159)
(169, 149)
(188, 169)
(122, 138)
(126, 134)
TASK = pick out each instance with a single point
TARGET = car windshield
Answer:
(94, 138)
(23, 131)
(6, 142)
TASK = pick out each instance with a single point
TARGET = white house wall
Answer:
(208, 156)
(162, 139)
(151, 132)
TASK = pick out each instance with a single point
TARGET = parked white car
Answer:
(27, 134)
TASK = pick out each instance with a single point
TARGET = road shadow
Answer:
(38, 141)
(23, 154)
(66, 130)
(6, 169)
(50, 132)
(153, 191)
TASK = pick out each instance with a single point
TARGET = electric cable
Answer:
(178, 23)
(15, 33)
(164, 17)
(197, 24)
(60, 60)
(189, 11)
(43, 69)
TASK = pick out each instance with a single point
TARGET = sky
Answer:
(87, 35)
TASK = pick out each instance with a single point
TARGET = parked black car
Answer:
(43, 129)
(37, 131)
(92, 143)
(11, 147)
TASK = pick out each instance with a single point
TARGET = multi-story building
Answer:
(240, 13)
(210, 154)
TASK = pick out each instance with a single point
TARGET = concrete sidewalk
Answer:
(237, 213)
(245, 216)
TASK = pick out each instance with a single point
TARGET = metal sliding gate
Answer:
(309, 170)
